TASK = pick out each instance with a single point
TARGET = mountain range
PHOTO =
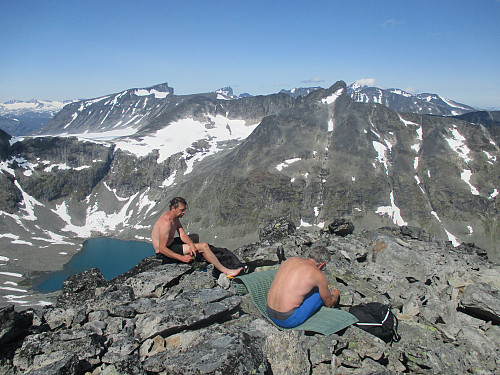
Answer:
(24, 117)
(109, 166)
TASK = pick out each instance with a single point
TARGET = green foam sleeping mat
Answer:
(325, 321)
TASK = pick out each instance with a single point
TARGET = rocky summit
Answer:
(110, 166)
(179, 319)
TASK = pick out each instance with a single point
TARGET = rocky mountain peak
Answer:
(225, 93)
(161, 87)
(403, 101)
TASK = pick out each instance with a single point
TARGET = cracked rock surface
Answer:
(173, 319)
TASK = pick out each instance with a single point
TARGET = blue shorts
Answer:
(310, 305)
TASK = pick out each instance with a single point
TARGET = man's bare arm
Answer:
(328, 299)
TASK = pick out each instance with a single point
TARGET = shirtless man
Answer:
(182, 248)
(299, 289)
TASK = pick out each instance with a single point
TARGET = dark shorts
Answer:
(176, 246)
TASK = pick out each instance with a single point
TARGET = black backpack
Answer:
(377, 319)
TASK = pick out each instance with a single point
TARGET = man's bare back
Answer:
(296, 278)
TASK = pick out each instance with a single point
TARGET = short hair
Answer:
(175, 202)
(319, 254)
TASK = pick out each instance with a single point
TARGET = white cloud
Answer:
(314, 80)
(391, 23)
(366, 82)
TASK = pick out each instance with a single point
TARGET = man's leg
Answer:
(209, 256)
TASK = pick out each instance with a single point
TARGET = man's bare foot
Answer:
(233, 273)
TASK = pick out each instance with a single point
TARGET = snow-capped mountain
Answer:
(396, 99)
(225, 93)
(116, 161)
(23, 117)
(18, 107)
(402, 101)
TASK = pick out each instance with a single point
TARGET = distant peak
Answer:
(160, 91)
(163, 87)
(225, 91)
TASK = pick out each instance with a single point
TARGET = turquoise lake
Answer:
(113, 257)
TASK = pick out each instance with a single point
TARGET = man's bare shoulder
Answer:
(293, 265)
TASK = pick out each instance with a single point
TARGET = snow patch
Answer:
(331, 99)
(457, 143)
(55, 239)
(491, 158)
(29, 203)
(392, 211)
(13, 289)
(286, 163)
(180, 135)
(381, 150)
(170, 180)
(11, 274)
(144, 201)
(465, 176)
(156, 93)
(330, 125)
(494, 194)
(304, 224)
(436, 216)
(452, 238)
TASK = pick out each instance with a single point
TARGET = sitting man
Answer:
(182, 248)
(299, 289)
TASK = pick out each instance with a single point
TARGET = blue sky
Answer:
(84, 49)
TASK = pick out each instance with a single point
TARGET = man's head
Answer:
(175, 202)
(178, 206)
(320, 255)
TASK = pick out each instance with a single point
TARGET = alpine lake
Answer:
(113, 257)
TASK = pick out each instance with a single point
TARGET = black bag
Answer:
(228, 259)
(377, 319)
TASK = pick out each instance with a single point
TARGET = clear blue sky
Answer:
(84, 49)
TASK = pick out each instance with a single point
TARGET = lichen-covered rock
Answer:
(173, 319)
(277, 229)
(341, 227)
(171, 316)
(79, 288)
(153, 283)
(280, 348)
(214, 352)
(35, 350)
(482, 300)
(13, 324)
(58, 363)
